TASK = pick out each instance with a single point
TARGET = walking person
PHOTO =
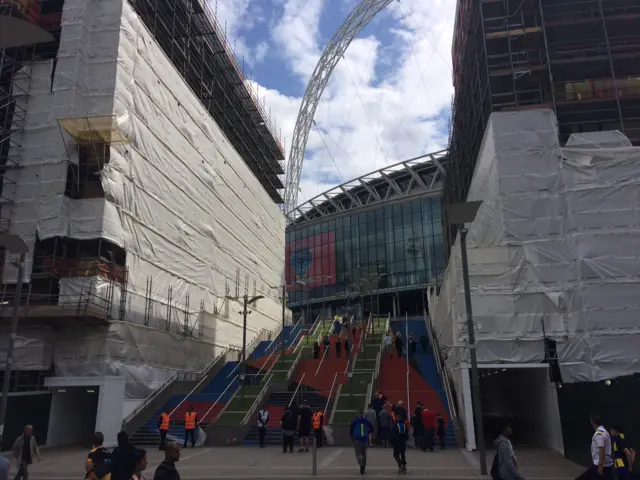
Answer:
(318, 423)
(413, 345)
(399, 344)
(316, 350)
(346, 346)
(418, 426)
(440, 429)
(123, 461)
(623, 455)
(424, 343)
(140, 457)
(167, 469)
(24, 450)
(387, 341)
(399, 437)
(263, 421)
(98, 463)
(163, 427)
(288, 422)
(372, 416)
(359, 430)
(429, 421)
(601, 453)
(505, 465)
(190, 422)
(384, 427)
(338, 347)
(304, 426)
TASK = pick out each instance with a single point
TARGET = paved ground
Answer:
(334, 463)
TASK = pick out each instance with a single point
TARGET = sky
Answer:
(387, 100)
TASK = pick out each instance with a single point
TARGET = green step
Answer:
(351, 402)
(231, 418)
(362, 364)
(239, 404)
(344, 418)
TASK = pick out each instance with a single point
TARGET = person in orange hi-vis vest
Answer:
(190, 421)
(163, 428)
(317, 423)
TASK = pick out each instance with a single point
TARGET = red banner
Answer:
(311, 262)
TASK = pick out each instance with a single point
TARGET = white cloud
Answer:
(379, 115)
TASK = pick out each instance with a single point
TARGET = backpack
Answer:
(360, 431)
(101, 458)
(402, 428)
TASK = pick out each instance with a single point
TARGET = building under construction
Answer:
(579, 57)
(140, 168)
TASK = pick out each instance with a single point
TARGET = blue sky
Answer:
(387, 100)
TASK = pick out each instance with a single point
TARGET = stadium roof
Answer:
(419, 175)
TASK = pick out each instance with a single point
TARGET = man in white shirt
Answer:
(263, 421)
(601, 456)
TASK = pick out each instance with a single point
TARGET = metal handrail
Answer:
(151, 397)
(296, 390)
(442, 370)
(367, 399)
(203, 376)
(294, 365)
(217, 400)
(257, 401)
(266, 361)
(335, 377)
(175, 377)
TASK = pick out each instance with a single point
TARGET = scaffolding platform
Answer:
(81, 313)
(93, 130)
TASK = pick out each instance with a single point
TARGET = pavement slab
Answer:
(332, 463)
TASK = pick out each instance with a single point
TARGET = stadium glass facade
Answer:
(380, 258)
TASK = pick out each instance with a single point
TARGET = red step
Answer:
(323, 381)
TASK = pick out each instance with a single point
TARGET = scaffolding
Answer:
(14, 90)
(190, 36)
(580, 58)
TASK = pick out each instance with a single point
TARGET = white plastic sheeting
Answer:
(553, 249)
(178, 198)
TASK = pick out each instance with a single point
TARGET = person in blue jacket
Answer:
(359, 431)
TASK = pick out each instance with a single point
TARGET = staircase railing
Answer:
(296, 390)
(217, 400)
(335, 377)
(266, 362)
(443, 371)
(294, 365)
(258, 400)
(177, 376)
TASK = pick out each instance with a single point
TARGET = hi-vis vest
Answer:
(164, 424)
(317, 418)
(190, 421)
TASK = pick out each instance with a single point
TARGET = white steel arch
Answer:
(359, 17)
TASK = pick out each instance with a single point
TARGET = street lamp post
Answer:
(14, 244)
(461, 214)
(247, 300)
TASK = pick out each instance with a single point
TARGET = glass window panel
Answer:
(406, 219)
(416, 218)
(371, 216)
(397, 234)
(332, 225)
(362, 218)
(397, 211)
(372, 255)
(398, 251)
(379, 214)
(346, 221)
(406, 208)
(437, 214)
(363, 241)
(415, 206)
(324, 227)
(437, 228)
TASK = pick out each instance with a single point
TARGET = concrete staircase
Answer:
(354, 392)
